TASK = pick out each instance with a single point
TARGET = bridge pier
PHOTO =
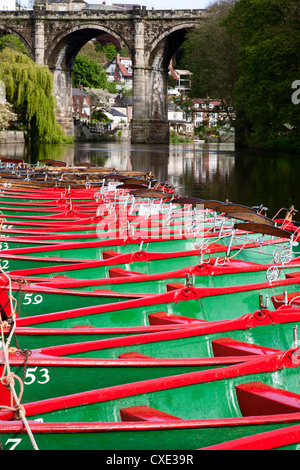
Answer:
(149, 131)
(150, 115)
(63, 92)
(150, 108)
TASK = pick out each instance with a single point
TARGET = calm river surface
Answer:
(208, 171)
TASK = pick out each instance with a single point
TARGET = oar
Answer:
(250, 217)
(187, 200)
(235, 207)
(137, 181)
(263, 229)
(149, 193)
(131, 186)
(214, 204)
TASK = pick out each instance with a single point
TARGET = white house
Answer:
(115, 116)
(177, 122)
(119, 70)
(183, 78)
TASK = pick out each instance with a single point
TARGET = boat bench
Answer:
(232, 347)
(174, 286)
(110, 254)
(257, 398)
(63, 276)
(120, 272)
(164, 318)
(278, 300)
(134, 355)
(292, 275)
(145, 413)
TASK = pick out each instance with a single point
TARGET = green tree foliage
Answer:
(29, 88)
(88, 73)
(108, 49)
(14, 43)
(268, 60)
(210, 53)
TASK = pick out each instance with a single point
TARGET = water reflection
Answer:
(209, 171)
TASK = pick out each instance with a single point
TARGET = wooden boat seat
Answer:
(292, 275)
(257, 398)
(174, 286)
(232, 347)
(105, 291)
(134, 355)
(162, 318)
(120, 272)
(62, 276)
(109, 254)
(278, 300)
(145, 413)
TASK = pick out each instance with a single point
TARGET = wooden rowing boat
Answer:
(166, 413)
(209, 304)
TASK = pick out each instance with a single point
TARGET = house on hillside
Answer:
(115, 116)
(81, 104)
(63, 5)
(208, 111)
(75, 5)
(119, 70)
(177, 122)
(123, 104)
(183, 78)
(101, 6)
(211, 113)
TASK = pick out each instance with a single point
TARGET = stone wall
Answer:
(11, 137)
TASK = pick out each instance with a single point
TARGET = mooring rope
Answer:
(10, 376)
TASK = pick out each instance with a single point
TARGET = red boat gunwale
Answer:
(120, 275)
(188, 293)
(277, 438)
(243, 323)
(273, 362)
(13, 427)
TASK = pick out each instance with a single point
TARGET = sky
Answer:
(156, 4)
(163, 4)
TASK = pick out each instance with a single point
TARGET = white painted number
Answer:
(14, 441)
(28, 299)
(4, 264)
(30, 375)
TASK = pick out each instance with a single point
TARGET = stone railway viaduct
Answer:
(150, 36)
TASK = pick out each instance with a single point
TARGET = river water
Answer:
(207, 171)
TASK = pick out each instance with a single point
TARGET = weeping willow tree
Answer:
(29, 87)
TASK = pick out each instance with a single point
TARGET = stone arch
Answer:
(155, 81)
(66, 45)
(60, 56)
(166, 44)
(4, 29)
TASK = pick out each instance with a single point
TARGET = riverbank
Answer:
(12, 137)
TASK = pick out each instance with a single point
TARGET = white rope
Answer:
(6, 357)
